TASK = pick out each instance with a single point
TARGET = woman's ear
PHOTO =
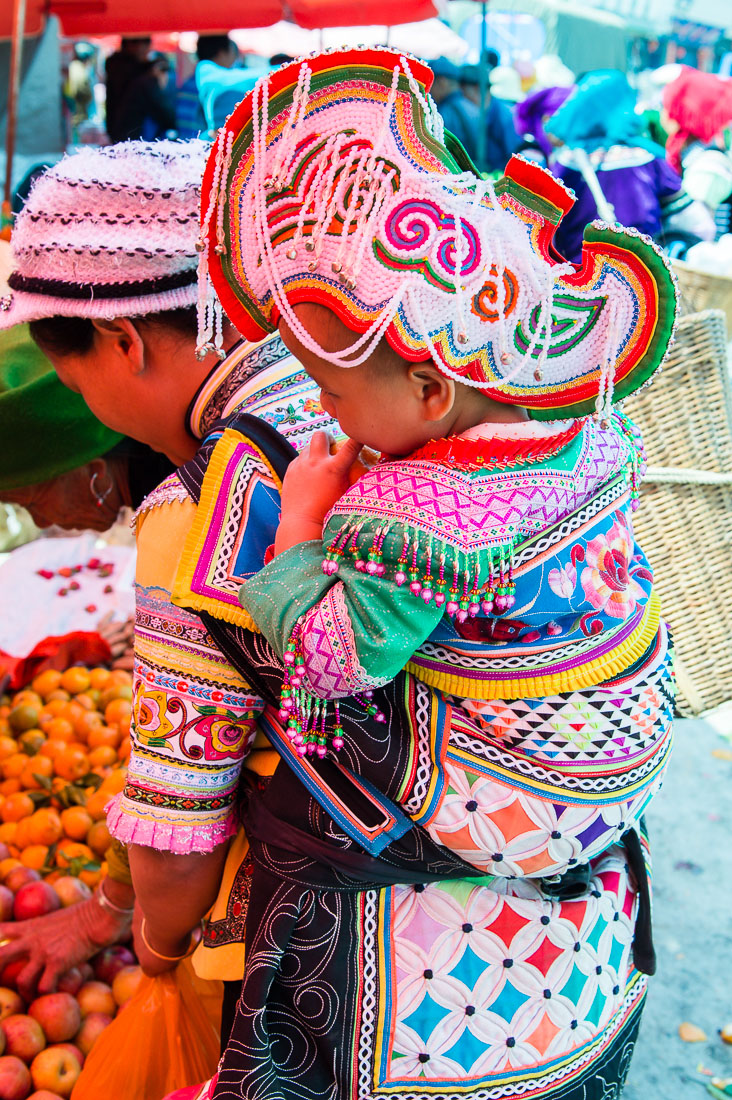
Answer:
(434, 391)
(123, 340)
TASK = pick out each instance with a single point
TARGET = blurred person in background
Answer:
(502, 140)
(530, 116)
(616, 171)
(460, 114)
(147, 111)
(213, 49)
(121, 69)
(697, 116)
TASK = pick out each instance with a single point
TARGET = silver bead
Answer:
(220, 249)
(506, 356)
(309, 246)
(336, 267)
(269, 183)
(462, 338)
(200, 245)
(350, 283)
(538, 375)
(312, 265)
(291, 253)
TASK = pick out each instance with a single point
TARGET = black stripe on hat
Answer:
(57, 288)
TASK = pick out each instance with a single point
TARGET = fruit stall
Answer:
(64, 740)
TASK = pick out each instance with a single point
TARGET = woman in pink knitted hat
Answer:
(105, 271)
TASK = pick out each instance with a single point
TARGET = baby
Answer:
(490, 552)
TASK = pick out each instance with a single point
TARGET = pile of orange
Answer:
(64, 743)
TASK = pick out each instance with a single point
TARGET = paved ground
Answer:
(691, 833)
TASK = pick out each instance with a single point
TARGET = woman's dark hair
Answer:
(75, 335)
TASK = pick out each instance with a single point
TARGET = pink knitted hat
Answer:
(109, 233)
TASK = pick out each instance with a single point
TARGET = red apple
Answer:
(58, 1014)
(9, 976)
(87, 972)
(70, 982)
(56, 1070)
(35, 899)
(44, 1094)
(72, 1049)
(11, 1003)
(15, 1080)
(24, 1037)
(6, 903)
(71, 890)
(90, 1030)
(4, 851)
(96, 997)
(19, 876)
(108, 963)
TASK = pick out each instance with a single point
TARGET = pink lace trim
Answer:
(181, 839)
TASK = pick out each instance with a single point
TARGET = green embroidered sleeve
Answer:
(357, 625)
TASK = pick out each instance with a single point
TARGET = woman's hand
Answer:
(314, 481)
(55, 943)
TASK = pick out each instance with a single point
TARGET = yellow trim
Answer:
(183, 595)
(586, 675)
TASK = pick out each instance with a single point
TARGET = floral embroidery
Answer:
(607, 579)
(562, 581)
(153, 725)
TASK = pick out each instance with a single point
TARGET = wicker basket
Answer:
(698, 291)
(684, 522)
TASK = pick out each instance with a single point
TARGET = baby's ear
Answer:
(433, 390)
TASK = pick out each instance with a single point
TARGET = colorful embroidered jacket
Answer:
(552, 720)
(500, 565)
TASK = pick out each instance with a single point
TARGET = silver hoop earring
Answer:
(99, 497)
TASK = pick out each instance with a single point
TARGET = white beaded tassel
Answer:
(210, 321)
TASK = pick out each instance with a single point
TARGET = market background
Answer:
(691, 820)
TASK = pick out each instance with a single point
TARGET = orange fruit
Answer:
(95, 805)
(69, 850)
(12, 766)
(116, 691)
(118, 713)
(84, 700)
(58, 696)
(34, 856)
(17, 806)
(8, 865)
(10, 786)
(102, 757)
(46, 682)
(8, 829)
(91, 876)
(54, 708)
(8, 747)
(87, 722)
(51, 748)
(104, 735)
(119, 676)
(72, 763)
(24, 716)
(76, 679)
(76, 822)
(27, 698)
(59, 729)
(22, 834)
(31, 740)
(45, 827)
(37, 765)
(73, 711)
(115, 782)
(99, 678)
(123, 752)
(98, 838)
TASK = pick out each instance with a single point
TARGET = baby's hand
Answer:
(314, 481)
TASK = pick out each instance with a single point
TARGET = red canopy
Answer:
(80, 18)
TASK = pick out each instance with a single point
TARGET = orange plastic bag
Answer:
(163, 1039)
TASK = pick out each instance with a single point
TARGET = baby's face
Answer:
(374, 402)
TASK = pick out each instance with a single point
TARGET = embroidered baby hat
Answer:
(107, 233)
(334, 182)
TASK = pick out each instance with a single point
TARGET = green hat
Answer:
(45, 429)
